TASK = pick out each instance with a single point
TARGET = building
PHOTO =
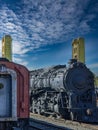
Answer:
(7, 47)
(78, 49)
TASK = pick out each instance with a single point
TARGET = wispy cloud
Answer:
(45, 22)
(20, 61)
(19, 48)
(93, 66)
(52, 21)
(33, 24)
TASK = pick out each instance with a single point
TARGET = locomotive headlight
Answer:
(89, 111)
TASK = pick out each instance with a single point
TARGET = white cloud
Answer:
(53, 19)
(20, 61)
(93, 66)
(43, 22)
(18, 48)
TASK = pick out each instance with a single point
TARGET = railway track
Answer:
(38, 122)
(42, 125)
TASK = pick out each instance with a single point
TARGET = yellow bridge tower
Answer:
(78, 49)
(7, 47)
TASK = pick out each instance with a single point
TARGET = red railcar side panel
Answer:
(22, 88)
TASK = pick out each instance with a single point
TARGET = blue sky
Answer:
(43, 30)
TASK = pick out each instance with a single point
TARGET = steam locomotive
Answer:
(14, 96)
(64, 91)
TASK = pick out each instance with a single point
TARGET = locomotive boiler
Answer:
(14, 96)
(64, 91)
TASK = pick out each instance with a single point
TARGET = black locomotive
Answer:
(65, 91)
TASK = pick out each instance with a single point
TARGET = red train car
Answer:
(14, 95)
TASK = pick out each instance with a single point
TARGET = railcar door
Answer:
(5, 95)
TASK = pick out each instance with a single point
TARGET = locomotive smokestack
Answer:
(7, 47)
